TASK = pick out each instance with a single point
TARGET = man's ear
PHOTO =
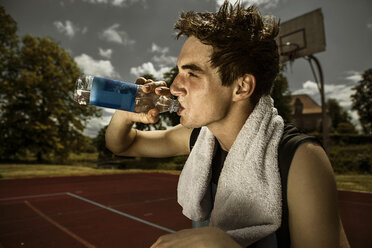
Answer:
(245, 87)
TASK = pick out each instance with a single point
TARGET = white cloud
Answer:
(84, 30)
(90, 66)
(112, 34)
(340, 92)
(96, 1)
(126, 3)
(309, 87)
(95, 124)
(105, 53)
(68, 28)
(118, 3)
(355, 119)
(160, 60)
(157, 49)
(260, 3)
(149, 68)
(354, 76)
(164, 60)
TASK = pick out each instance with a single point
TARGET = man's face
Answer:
(204, 101)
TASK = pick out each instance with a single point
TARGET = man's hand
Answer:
(197, 238)
(149, 86)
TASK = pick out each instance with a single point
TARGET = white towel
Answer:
(248, 200)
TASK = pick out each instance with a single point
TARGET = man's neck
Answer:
(228, 129)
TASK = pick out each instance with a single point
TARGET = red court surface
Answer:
(356, 214)
(128, 210)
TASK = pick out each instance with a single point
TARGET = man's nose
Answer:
(177, 88)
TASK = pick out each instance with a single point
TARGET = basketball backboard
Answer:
(301, 36)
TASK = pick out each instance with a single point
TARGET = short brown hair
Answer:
(243, 42)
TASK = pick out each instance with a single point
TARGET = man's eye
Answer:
(192, 74)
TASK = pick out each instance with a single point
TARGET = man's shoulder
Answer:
(291, 140)
(310, 169)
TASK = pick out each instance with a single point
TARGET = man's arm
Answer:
(312, 200)
(205, 237)
(123, 140)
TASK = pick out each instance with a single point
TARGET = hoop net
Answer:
(289, 50)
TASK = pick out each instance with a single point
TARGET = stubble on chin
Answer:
(189, 124)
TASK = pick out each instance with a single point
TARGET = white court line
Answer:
(31, 196)
(120, 213)
(59, 226)
(91, 202)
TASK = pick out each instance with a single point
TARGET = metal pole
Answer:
(320, 83)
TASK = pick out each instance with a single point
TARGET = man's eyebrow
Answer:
(192, 67)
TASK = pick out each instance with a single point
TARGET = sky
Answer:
(124, 39)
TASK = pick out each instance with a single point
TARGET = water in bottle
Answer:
(120, 95)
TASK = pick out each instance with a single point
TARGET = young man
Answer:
(226, 69)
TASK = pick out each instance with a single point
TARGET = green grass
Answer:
(41, 170)
(347, 159)
(83, 156)
(354, 182)
(344, 182)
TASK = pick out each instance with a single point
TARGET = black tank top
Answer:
(292, 138)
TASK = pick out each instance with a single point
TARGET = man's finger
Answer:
(153, 115)
(163, 241)
(163, 91)
(154, 245)
(150, 87)
(150, 117)
(141, 80)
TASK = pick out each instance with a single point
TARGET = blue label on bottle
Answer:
(113, 94)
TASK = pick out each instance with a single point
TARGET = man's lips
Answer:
(180, 109)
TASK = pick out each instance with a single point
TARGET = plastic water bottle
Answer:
(120, 95)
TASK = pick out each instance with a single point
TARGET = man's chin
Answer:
(189, 124)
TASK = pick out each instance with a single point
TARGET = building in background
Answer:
(306, 113)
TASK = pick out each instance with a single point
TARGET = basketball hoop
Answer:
(302, 37)
(289, 50)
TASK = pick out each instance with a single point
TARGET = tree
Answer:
(338, 115)
(38, 114)
(362, 101)
(346, 128)
(8, 44)
(282, 97)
